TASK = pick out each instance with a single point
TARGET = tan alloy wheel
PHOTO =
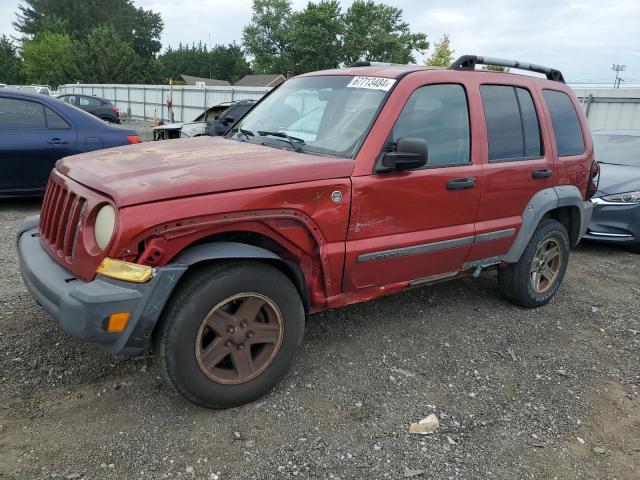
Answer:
(239, 338)
(546, 265)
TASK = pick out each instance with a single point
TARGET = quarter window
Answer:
(566, 126)
(439, 114)
(512, 123)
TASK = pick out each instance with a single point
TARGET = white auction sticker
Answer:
(372, 83)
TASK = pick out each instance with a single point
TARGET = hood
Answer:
(154, 171)
(617, 179)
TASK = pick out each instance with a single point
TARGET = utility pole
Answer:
(617, 68)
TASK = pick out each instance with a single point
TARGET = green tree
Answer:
(50, 59)
(105, 58)
(495, 68)
(222, 62)
(267, 37)
(10, 62)
(315, 35)
(442, 55)
(139, 28)
(375, 31)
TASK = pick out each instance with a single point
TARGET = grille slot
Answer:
(60, 219)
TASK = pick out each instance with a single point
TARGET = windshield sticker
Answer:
(372, 83)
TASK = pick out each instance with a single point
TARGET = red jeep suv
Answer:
(337, 187)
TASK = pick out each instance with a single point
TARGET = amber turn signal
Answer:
(118, 322)
(127, 271)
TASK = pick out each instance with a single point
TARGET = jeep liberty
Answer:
(338, 187)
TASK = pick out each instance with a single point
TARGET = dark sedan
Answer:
(36, 131)
(100, 107)
(616, 216)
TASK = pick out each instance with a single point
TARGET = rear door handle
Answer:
(461, 183)
(542, 173)
(57, 141)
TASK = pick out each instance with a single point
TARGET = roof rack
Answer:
(469, 62)
(367, 63)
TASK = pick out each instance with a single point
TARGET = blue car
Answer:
(36, 131)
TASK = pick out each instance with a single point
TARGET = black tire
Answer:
(107, 119)
(515, 281)
(175, 338)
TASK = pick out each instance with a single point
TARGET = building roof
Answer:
(260, 81)
(210, 82)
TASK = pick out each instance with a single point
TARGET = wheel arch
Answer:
(199, 255)
(562, 203)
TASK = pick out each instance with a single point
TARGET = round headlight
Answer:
(104, 226)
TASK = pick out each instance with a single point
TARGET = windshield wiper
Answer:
(295, 142)
(246, 133)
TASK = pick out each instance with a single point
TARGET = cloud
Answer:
(581, 38)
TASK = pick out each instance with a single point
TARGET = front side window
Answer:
(566, 125)
(328, 115)
(513, 130)
(439, 115)
(19, 114)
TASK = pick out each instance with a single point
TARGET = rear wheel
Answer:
(230, 333)
(107, 119)
(534, 279)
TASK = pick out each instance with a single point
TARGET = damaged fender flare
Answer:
(235, 250)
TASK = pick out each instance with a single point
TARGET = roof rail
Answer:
(469, 62)
(367, 63)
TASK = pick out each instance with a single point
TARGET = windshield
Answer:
(322, 114)
(617, 149)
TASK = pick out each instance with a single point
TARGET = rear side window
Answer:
(512, 123)
(89, 102)
(19, 114)
(439, 114)
(566, 125)
(55, 121)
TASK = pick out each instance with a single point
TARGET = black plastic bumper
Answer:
(82, 308)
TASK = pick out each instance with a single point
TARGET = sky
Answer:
(582, 38)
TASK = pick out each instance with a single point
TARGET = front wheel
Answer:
(230, 333)
(534, 279)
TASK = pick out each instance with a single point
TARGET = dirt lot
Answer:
(548, 393)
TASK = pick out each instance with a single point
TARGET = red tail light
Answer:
(133, 138)
(116, 109)
(594, 179)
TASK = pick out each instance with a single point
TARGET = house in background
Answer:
(201, 81)
(260, 81)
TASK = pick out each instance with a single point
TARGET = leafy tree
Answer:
(267, 37)
(140, 28)
(10, 62)
(223, 62)
(377, 31)
(104, 58)
(495, 68)
(50, 59)
(442, 55)
(315, 35)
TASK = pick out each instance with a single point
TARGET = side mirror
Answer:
(228, 120)
(411, 153)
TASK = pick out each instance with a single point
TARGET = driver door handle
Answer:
(542, 173)
(57, 141)
(461, 183)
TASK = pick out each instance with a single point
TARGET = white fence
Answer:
(606, 108)
(611, 108)
(145, 101)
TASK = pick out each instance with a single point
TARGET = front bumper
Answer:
(82, 308)
(615, 223)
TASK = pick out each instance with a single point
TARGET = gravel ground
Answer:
(547, 393)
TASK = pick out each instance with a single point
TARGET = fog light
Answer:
(118, 322)
(121, 270)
